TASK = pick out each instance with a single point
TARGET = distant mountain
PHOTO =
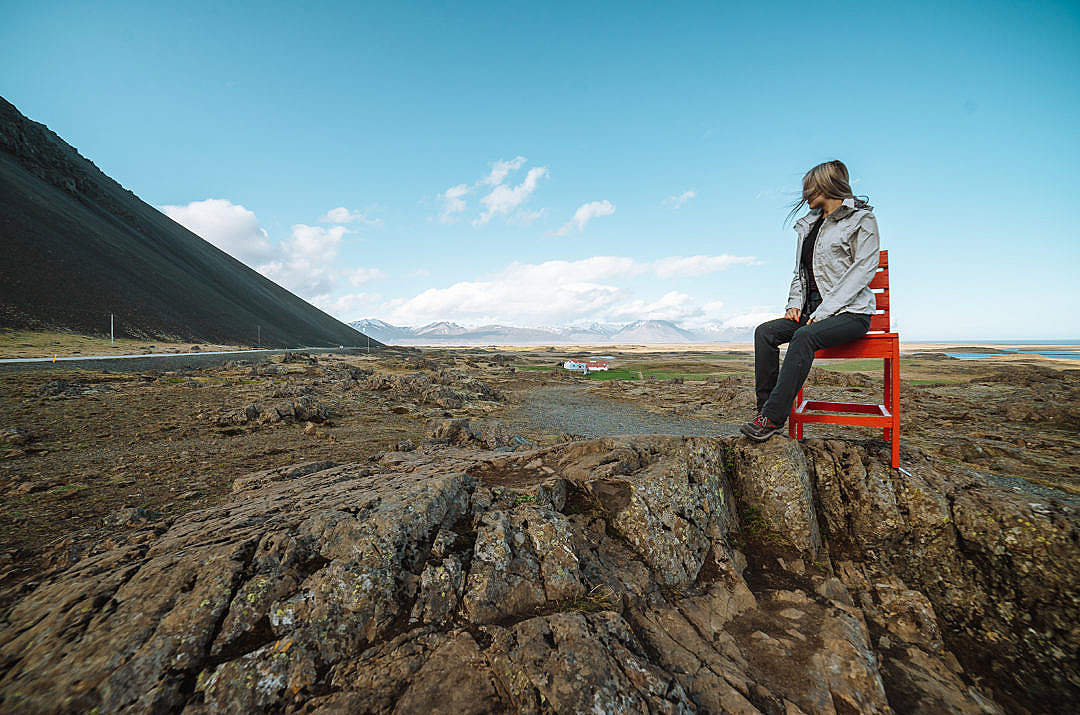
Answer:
(379, 330)
(506, 333)
(653, 331)
(720, 334)
(593, 333)
(78, 246)
(640, 332)
(441, 328)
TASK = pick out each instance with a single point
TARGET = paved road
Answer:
(76, 358)
(156, 361)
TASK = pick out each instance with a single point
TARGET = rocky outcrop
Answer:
(998, 565)
(773, 481)
(449, 389)
(641, 573)
(304, 409)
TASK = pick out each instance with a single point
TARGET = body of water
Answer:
(1070, 354)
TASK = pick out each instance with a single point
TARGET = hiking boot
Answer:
(761, 428)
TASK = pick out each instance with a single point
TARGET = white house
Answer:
(586, 366)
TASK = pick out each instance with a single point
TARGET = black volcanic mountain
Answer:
(76, 245)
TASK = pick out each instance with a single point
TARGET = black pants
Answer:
(775, 393)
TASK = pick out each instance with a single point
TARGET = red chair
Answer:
(877, 343)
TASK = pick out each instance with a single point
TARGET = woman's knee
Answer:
(761, 332)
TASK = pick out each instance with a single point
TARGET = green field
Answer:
(697, 371)
(643, 372)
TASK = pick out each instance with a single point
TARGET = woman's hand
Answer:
(793, 314)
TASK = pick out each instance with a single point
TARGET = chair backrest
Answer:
(879, 322)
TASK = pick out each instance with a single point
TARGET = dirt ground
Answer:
(34, 344)
(89, 453)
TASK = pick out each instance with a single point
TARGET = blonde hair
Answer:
(830, 179)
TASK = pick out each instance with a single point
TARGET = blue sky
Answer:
(677, 134)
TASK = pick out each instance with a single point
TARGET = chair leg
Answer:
(799, 426)
(888, 394)
(894, 408)
(793, 418)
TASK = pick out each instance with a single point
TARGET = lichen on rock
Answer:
(648, 573)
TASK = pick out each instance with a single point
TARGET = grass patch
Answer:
(66, 489)
(755, 527)
(664, 375)
(619, 373)
(599, 598)
(626, 373)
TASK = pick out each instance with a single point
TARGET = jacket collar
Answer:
(844, 209)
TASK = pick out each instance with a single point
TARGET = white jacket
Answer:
(845, 259)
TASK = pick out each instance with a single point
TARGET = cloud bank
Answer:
(560, 292)
(305, 262)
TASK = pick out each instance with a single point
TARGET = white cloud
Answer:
(561, 292)
(348, 307)
(677, 202)
(712, 307)
(706, 317)
(585, 213)
(524, 217)
(306, 265)
(363, 275)
(314, 243)
(586, 269)
(503, 199)
(453, 203)
(671, 306)
(344, 215)
(522, 293)
(690, 266)
(307, 262)
(501, 168)
(231, 227)
(751, 319)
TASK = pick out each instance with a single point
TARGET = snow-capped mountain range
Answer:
(639, 332)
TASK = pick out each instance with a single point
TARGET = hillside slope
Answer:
(76, 246)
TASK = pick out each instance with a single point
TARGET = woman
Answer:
(830, 301)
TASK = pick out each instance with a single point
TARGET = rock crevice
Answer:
(646, 573)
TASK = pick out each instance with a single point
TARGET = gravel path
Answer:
(568, 408)
(564, 408)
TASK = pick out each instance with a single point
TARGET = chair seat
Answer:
(870, 345)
